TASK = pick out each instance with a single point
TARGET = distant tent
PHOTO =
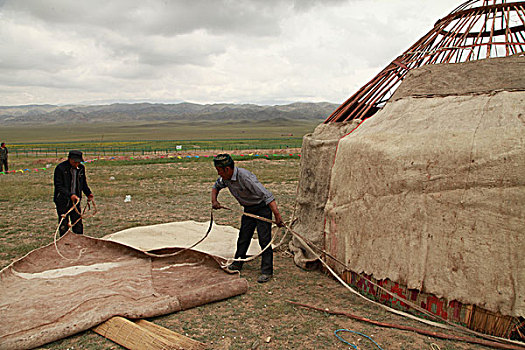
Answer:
(475, 30)
(418, 184)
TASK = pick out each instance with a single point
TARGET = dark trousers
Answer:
(72, 216)
(3, 165)
(264, 231)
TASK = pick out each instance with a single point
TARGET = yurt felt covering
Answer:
(44, 297)
(430, 191)
(317, 157)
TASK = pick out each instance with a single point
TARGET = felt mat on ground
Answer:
(45, 297)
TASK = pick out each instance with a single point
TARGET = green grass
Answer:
(153, 138)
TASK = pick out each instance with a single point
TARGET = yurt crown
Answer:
(475, 30)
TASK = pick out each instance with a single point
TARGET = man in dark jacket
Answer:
(3, 158)
(70, 181)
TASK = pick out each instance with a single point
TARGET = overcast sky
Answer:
(202, 51)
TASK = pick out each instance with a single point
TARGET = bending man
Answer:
(255, 199)
(70, 181)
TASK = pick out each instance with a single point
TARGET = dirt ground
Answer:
(260, 319)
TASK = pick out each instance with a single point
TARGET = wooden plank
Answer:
(176, 338)
(144, 335)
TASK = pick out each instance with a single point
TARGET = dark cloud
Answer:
(196, 49)
(151, 32)
(242, 17)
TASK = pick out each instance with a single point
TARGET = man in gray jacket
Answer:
(255, 199)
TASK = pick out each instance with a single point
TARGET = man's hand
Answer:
(214, 202)
(279, 220)
(74, 198)
(90, 197)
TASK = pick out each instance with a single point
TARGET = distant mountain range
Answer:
(140, 112)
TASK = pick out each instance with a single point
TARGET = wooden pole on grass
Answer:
(144, 335)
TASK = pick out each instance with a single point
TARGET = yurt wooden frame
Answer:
(475, 30)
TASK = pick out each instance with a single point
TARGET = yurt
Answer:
(416, 184)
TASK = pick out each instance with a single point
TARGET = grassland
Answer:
(209, 130)
(153, 138)
(175, 191)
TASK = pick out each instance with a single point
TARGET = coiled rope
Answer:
(82, 215)
(358, 333)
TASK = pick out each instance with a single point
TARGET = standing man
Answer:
(70, 181)
(255, 199)
(3, 157)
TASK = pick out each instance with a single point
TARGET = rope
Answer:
(82, 215)
(309, 245)
(434, 346)
(185, 249)
(358, 333)
(229, 261)
(288, 229)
